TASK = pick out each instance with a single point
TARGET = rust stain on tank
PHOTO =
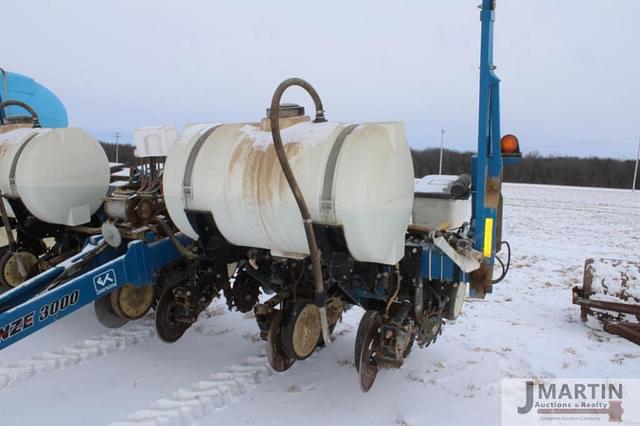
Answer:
(238, 154)
(262, 176)
(273, 183)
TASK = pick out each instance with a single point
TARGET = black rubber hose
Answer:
(34, 115)
(314, 251)
(185, 252)
(505, 268)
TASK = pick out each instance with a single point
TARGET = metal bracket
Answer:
(467, 262)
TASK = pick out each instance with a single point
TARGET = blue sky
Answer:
(570, 69)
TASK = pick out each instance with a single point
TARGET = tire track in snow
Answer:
(15, 372)
(186, 406)
(201, 398)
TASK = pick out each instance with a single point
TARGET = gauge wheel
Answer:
(335, 308)
(132, 302)
(11, 274)
(301, 330)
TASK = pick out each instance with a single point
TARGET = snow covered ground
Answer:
(78, 373)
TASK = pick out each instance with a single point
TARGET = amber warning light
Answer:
(509, 145)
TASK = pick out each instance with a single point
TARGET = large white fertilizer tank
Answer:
(357, 177)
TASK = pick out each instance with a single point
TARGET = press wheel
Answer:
(11, 274)
(277, 359)
(105, 313)
(301, 330)
(132, 302)
(367, 343)
(168, 327)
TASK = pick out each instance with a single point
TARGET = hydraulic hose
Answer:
(314, 252)
(34, 115)
(186, 253)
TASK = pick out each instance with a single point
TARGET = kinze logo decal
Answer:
(9, 330)
(105, 281)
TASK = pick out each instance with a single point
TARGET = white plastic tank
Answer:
(358, 177)
(154, 141)
(435, 207)
(60, 175)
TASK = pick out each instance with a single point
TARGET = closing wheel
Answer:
(132, 302)
(301, 330)
(105, 313)
(367, 342)
(277, 359)
(15, 267)
(168, 314)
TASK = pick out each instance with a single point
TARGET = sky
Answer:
(570, 69)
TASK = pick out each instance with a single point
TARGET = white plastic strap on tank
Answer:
(327, 197)
(14, 164)
(187, 189)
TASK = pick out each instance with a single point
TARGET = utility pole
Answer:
(117, 135)
(635, 172)
(441, 149)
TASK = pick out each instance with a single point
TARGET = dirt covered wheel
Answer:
(132, 302)
(168, 314)
(367, 342)
(105, 313)
(301, 330)
(368, 318)
(15, 268)
(277, 359)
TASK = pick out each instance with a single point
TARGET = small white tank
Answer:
(358, 177)
(154, 141)
(60, 175)
(435, 207)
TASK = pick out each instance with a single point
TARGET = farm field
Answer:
(77, 372)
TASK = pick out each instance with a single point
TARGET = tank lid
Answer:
(289, 110)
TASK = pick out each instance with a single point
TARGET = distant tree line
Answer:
(536, 168)
(125, 152)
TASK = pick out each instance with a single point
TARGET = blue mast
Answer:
(487, 164)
